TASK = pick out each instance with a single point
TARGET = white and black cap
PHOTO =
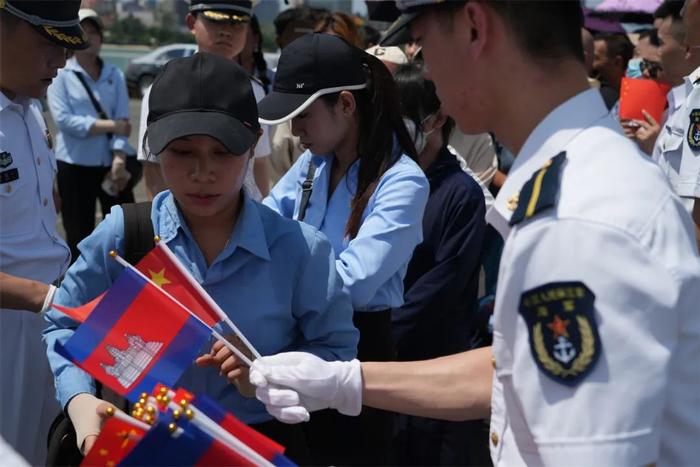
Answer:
(312, 66)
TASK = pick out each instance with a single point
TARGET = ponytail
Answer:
(380, 124)
(258, 57)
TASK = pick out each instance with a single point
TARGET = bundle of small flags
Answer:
(176, 428)
(138, 338)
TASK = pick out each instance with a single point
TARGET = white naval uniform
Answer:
(262, 149)
(678, 160)
(30, 248)
(617, 228)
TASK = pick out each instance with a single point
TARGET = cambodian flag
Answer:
(181, 442)
(135, 338)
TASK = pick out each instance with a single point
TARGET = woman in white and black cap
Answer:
(273, 277)
(359, 184)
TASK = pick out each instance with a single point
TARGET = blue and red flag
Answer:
(135, 338)
(260, 443)
(173, 442)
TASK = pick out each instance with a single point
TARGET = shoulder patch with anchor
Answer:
(563, 333)
(540, 192)
(694, 130)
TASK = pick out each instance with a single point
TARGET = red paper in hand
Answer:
(642, 94)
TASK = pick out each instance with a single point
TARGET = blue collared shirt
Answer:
(276, 279)
(373, 264)
(74, 114)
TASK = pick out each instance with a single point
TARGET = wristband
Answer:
(48, 300)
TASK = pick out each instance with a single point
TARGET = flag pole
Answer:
(210, 301)
(226, 343)
(216, 431)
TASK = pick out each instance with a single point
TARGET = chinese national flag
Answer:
(117, 438)
(161, 266)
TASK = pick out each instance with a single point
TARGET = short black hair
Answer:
(652, 35)
(545, 29)
(302, 14)
(618, 44)
(669, 8)
(370, 36)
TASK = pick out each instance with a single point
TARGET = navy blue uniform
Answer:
(441, 287)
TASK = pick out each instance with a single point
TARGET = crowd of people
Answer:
(438, 265)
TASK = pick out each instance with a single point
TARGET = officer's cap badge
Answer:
(563, 332)
(694, 130)
(5, 159)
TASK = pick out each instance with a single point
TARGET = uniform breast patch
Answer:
(5, 159)
(694, 130)
(7, 176)
(563, 333)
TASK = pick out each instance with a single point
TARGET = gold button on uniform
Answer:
(46, 202)
(494, 438)
(513, 202)
(493, 362)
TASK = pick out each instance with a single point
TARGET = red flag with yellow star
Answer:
(162, 267)
(117, 438)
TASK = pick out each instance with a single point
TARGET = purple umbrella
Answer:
(644, 6)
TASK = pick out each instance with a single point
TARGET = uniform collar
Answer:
(248, 233)
(547, 140)
(676, 97)
(692, 80)
(73, 65)
(18, 102)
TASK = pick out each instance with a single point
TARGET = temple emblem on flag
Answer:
(132, 361)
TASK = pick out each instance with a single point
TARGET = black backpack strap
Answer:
(306, 189)
(138, 231)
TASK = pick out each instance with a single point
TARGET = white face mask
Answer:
(419, 137)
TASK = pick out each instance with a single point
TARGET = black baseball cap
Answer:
(223, 11)
(56, 20)
(399, 32)
(204, 94)
(309, 67)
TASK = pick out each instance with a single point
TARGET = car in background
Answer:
(142, 70)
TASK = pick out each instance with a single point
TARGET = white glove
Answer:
(82, 410)
(293, 384)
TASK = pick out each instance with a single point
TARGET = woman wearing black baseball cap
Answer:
(273, 277)
(358, 183)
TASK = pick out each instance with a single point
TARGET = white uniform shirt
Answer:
(617, 229)
(30, 248)
(678, 160)
(262, 149)
(676, 99)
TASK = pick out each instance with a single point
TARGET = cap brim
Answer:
(278, 107)
(70, 37)
(399, 32)
(231, 132)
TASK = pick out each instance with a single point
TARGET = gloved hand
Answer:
(87, 414)
(118, 173)
(293, 384)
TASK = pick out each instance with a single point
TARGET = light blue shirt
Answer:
(373, 264)
(276, 280)
(74, 114)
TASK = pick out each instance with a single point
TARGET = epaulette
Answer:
(540, 192)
